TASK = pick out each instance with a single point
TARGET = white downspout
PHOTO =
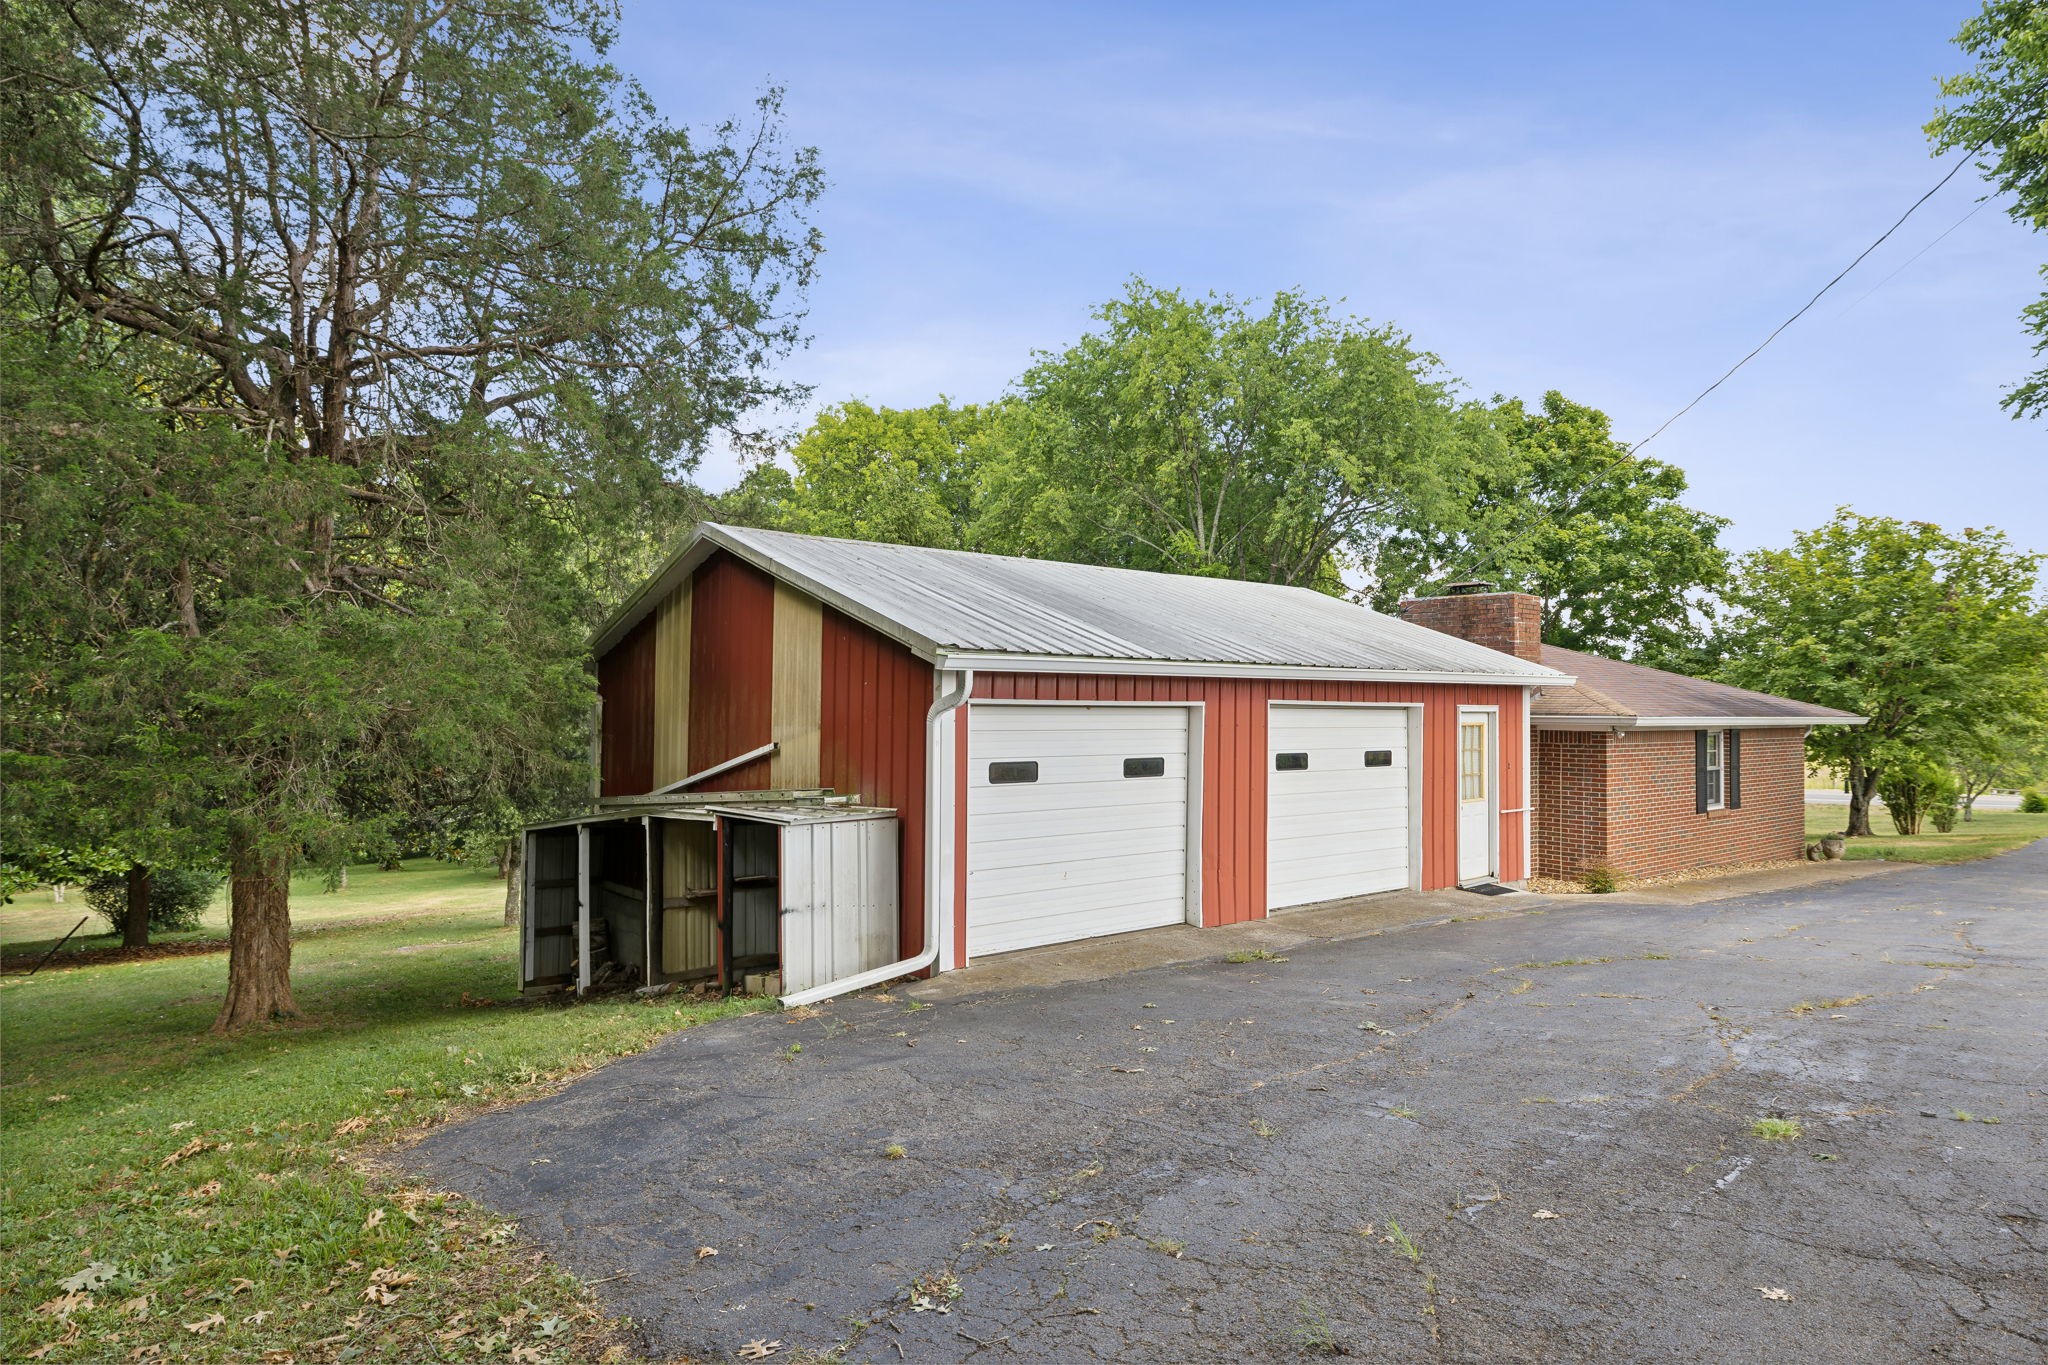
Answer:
(938, 825)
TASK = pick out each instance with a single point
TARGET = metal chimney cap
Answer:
(1469, 587)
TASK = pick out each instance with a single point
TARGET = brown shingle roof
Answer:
(1608, 687)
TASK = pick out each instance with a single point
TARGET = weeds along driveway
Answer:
(1207, 1161)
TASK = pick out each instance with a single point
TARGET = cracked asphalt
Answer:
(1206, 1161)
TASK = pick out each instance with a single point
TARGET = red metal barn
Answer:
(1068, 750)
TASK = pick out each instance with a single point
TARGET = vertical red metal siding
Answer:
(873, 697)
(1234, 767)
(625, 686)
(732, 652)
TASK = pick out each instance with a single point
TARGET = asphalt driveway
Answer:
(1207, 1161)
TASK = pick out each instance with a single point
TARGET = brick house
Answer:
(1637, 769)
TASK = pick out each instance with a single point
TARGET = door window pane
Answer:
(1472, 761)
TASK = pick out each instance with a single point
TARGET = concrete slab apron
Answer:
(1205, 1161)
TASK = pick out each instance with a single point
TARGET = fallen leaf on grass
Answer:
(376, 1217)
(1545, 1213)
(55, 1099)
(206, 1191)
(190, 1149)
(354, 1125)
(205, 1324)
(258, 1318)
(95, 1276)
(1780, 1295)
(180, 1126)
(240, 1285)
(285, 1253)
(385, 1282)
(760, 1348)
(137, 1307)
(65, 1304)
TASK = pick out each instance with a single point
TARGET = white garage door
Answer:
(1337, 803)
(1077, 822)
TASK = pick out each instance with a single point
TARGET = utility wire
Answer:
(1493, 556)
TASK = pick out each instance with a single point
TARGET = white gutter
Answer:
(1619, 723)
(937, 824)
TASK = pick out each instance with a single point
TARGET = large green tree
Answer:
(1998, 111)
(1936, 638)
(1569, 514)
(1202, 435)
(909, 476)
(432, 300)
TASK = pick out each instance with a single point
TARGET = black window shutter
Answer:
(1732, 760)
(1699, 771)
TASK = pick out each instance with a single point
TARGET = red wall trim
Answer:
(732, 651)
(1234, 767)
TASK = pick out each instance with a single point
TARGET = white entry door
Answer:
(1337, 803)
(1077, 822)
(1478, 796)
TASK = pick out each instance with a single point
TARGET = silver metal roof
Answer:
(951, 602)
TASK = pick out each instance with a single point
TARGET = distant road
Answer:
(1993, 801)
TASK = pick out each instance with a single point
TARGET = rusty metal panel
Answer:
(625, 687)
(732, 633)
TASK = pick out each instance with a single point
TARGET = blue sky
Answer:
(1614, 201)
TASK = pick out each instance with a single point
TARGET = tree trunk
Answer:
(259, 936)
(341, 882)
(1862, 785)
(135, 923)
(57, 892)
(513, 861)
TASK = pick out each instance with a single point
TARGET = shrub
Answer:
(1601, 879)
(2033, 803)
(1913, 788)
(178, 896)
(1942, 813)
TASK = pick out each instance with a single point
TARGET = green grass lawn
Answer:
(227, 1190)
(1993, 831)
(422, 887)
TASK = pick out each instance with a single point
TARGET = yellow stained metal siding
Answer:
(794, 688)
(672, 687)
(689, 877)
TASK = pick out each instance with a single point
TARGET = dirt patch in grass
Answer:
(100, 957)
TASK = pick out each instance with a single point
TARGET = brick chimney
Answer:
(1511, 622)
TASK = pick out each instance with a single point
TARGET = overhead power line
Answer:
(1493, 556)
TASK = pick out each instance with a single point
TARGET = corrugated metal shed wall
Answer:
(625, 686)
(1234, 768)
(873, 695)
(732, 632)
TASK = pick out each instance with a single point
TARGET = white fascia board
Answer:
(1743, 722)
(1176, 668)
(1689, 722)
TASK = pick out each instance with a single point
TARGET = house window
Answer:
(1001, 773)
(1472, 761)
(1379, 758)
(1290, 763)
(1144, 767)
(1717, 769)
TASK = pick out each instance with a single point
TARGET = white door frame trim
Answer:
(1193, 891)
(1493, 802)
